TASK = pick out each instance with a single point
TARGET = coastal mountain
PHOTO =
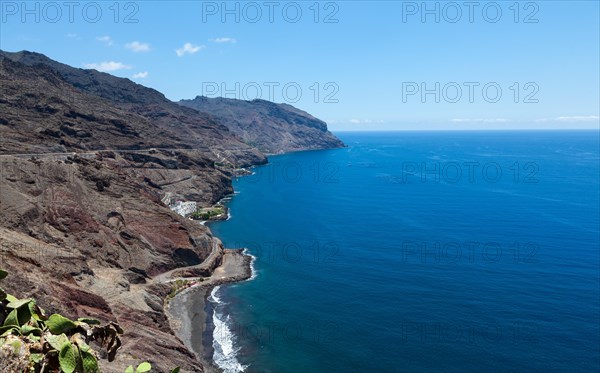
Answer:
(90, 166)
(270, 127)
(49, 107)
(101, 111)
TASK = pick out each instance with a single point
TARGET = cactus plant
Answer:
(90, 363)
(143, 367)
(58, 324)
(68, 358)
(53, 343)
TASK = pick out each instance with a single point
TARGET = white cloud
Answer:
(189, 48)
(106, 40)
(579, 118)
(480, 120)
(225, 40)
(364, 121)
(107, 66)
(140, 75)
(136, 46)
(576, 118)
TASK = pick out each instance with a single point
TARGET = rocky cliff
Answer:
(270, 127)
(88, 162)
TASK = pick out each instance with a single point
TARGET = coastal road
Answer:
(165, 277)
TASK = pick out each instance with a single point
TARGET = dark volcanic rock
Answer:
(87, 252)
(90, 110)
(86, 161)
(272, 128)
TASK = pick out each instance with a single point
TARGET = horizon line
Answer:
(469, 130)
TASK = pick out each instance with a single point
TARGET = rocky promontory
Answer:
(270, 127)
(90, 165)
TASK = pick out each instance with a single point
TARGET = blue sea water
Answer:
(419, 252)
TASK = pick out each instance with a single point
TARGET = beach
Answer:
(188, 310)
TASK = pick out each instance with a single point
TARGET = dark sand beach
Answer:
(188, 310)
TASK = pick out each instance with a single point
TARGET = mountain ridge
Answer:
(271, 127)
(87, 161)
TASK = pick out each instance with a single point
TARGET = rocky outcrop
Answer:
(272, 128)
(87, 162)
(49, 106)
(82, 250)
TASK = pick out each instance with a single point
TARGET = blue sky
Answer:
(357, 65)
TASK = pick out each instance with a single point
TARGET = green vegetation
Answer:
(179, 285)
(208, 213)
(32, 342)
(143, 367)
(224, 165)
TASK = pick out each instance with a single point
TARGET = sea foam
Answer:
(225, 351)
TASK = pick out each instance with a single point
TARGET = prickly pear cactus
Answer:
(32, 342)
(68, 358)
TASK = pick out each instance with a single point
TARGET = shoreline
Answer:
(188, 312)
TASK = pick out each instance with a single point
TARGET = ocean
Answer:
(418, 252)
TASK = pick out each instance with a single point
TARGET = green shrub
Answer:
(53, 343)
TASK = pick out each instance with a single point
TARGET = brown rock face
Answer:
(88, 251)
(86, 160)
(84, 233)
(272, 128)
(49, 106)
